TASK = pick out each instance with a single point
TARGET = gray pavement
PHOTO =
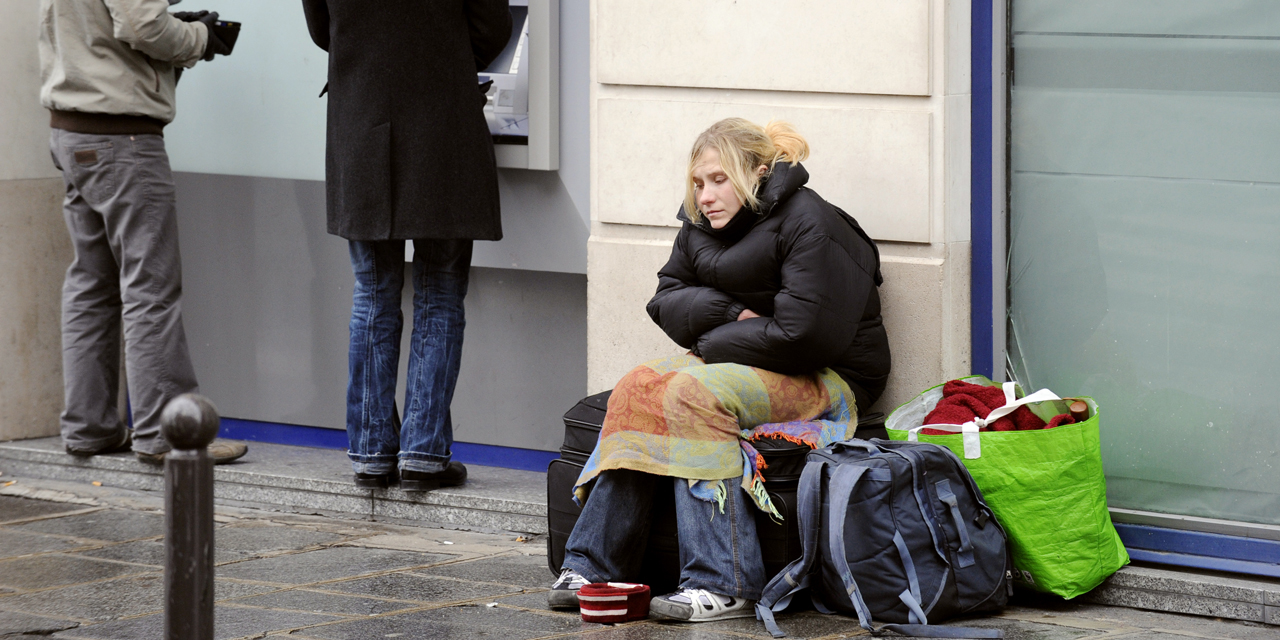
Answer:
(82, 561)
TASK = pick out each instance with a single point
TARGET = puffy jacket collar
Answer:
(780, 184)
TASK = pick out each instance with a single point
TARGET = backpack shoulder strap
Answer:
(935, 631)
(910, 452)
(843, 482)
(795, 577)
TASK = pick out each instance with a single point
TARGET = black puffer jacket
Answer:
(804, 265)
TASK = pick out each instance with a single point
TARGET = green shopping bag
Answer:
(1046, 488)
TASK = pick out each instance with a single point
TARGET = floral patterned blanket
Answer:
(683, 418)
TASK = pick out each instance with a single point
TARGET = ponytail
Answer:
(788, 144)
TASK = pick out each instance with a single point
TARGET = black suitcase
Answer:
(582, 424)
(779, 541)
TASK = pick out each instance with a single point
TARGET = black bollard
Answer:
(189, 423)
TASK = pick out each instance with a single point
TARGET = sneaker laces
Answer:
(687, 596)
(570, 579)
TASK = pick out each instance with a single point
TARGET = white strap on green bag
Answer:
(972, 443)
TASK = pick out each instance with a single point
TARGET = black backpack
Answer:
(898, 532)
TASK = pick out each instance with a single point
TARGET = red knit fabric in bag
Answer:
(607, 602)
(962, 402)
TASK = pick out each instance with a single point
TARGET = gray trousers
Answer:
(121, 213)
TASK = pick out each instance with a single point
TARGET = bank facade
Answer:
(1078, 194)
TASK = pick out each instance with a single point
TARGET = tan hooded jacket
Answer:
(113, 57)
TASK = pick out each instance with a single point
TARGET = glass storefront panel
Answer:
(1144, 265)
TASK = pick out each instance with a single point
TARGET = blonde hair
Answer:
(743, 147)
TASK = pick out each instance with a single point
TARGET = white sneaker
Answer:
(700, 605)
(564, 593)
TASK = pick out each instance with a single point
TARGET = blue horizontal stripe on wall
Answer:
(278, 433)
(489, 455)
(492, 455)
(1201, 550)
(1204, 562)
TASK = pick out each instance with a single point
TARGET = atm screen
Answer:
(508, 61)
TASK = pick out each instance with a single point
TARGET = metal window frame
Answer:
(988, 207)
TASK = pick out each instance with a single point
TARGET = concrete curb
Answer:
(305, 480)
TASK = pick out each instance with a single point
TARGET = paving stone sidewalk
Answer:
(89, 565)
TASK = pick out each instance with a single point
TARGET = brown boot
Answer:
(222, 452)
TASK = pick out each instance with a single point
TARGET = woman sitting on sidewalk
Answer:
(773, 291)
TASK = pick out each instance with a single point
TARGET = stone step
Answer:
(1192, 592)
(309, 480)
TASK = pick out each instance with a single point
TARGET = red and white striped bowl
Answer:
(608, 602)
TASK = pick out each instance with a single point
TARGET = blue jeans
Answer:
(375, 433)
(719, 552)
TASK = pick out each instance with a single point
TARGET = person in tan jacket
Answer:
(108, 72)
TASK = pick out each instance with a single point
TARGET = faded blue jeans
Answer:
(719, 552)
(376, 435)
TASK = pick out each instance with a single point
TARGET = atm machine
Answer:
(523, 108)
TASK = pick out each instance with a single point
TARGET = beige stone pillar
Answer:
(34, 249)
(881, 91)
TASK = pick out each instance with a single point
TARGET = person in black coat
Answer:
(408, 157)
(774, 292)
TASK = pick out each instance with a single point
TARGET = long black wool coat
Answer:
(803, 265)
(408, 152)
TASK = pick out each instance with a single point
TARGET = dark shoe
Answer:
(376, 480)
(451, 476)
(222, 452)
(564, 593)
(126, 445)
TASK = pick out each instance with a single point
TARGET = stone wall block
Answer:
(957, 348)
(851, 46)
(873, 163)
(623, 274)
(911, 303)
(34, 254)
